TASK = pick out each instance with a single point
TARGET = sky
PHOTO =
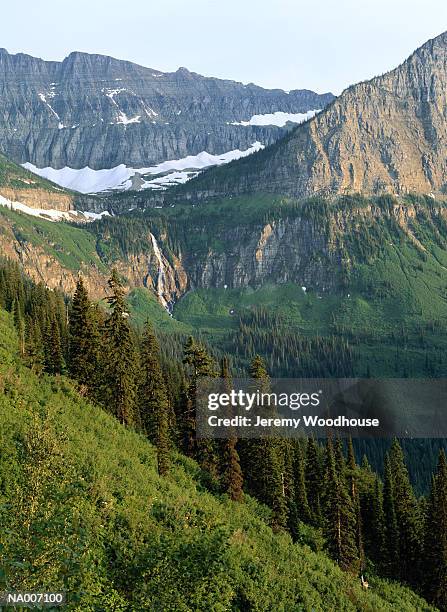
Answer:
(290, 44)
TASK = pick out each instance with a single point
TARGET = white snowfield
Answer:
(52, 215)
(84, 180)
(87, 180)
(279, 118)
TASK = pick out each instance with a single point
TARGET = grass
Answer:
(13, 175)
(72, 246)
(82, 509)
(144, 306)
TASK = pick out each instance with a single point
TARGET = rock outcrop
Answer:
(39, 198)
(386, 135)
(45, 260)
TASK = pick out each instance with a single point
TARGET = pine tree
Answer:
(391, 551)
(365, 464)
(19, 325)
(84, 361)
(435, 548)
(186, 420)
(263, 459)
(34, 353)
(377, 527)
(231, 473)
(153, 400)
(353, 488)
(54, 360)
(201, 366)
(340, 461)
(301, 502)
(314, 480)
(407, 516)
(119, 389)
(339, 516)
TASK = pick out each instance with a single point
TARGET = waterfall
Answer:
(161, 278)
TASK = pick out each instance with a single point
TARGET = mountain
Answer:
(353, 273)
(388, 134)
(18, 185)
(99, 112)
(87, 510)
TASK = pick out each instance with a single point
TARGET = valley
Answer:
(160, 228)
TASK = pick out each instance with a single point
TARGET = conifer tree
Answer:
(153, 400)
(314, 480)
(186, 421)
(340, 461)
(34, 353)
(231, 473)
(54, 360)
(19, 325)
(435, 548)
(263, 459)
(365, 464)
(84, 342)
(353, 488)
(119, 388)
(201, 366)
(407, 516)
(301, 502)
(377, 527)
(391, 552)
(339, 516)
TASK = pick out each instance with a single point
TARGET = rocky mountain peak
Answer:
(385, 135)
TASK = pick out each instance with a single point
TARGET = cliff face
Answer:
(39, 198)
(387, 135)
(57, 261)
(316, 247)
(277, 252)
(93, 110)
(318, 251)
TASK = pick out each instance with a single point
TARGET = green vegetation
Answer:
(72, 246)
(383, 312)
(143, 306)
(83, 509)
(13, 175)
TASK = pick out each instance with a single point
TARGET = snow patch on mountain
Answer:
(174, 171)
(51, 214)
(278, 118)
(124, 120)
(43, 98)
(85, 179)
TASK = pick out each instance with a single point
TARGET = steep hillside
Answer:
(57, 253)
(369, 272)
(83, 510)
(20, 185)
(388, 134)
(96, 111)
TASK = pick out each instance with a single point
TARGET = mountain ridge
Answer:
(384, 135)
(98, 111)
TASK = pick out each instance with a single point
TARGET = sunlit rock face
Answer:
(386, 135)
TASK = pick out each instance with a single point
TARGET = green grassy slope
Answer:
(71, 245)
(82, 509)
(13, 175)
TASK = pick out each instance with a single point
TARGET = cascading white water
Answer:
(161, 278)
